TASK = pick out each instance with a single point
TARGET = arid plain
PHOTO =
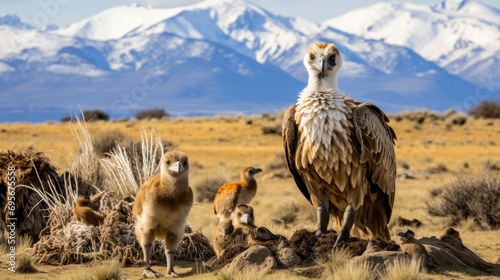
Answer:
(431, 153)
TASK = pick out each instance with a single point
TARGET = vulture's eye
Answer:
(311, 56)
(331, 59)
(239, 214)
(168, 162)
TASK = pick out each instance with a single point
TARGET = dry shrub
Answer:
(89, 115)
(106, 142)
(418, 116)
(75, 243)
(489, 109)
(455, 119)
(476, 197)
(151, 114)
(35, 175)
(272, 129)
(206, 184)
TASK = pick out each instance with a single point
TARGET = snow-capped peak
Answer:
(116, 22)
(452, 5)
(469, 8)
(14, 21)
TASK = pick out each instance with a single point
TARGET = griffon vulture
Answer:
(340, 151)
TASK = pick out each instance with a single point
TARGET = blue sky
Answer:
(63, 12)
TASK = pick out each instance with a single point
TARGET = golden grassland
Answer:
(431, 152)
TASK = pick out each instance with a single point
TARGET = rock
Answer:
(258, 257)
(378, 260)
(287, 257)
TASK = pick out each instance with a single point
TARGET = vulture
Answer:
(231, 194)
(161, 208)
(340, 152)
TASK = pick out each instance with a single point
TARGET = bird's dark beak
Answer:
(323, 66)
(257, 170)
(177, 167)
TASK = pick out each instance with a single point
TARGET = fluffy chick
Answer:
(161, 208)
(230, 195)
(84, 213)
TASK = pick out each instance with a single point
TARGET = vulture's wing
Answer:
(290, 139)
(226, 198)
(377, 147)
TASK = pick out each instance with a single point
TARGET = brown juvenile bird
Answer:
(224, 228)
(340, 152)
(161, 207)
(231, 194)
(243, 219)
(451, 233)
(410, 246)
(85, 213)
(235, 229)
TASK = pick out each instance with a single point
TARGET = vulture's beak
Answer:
(177, 167)
(246, 219)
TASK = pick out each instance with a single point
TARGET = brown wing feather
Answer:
(226, 198)
(377, 148)
(290, 137)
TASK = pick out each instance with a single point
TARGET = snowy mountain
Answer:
(462, 36)
(218, 56)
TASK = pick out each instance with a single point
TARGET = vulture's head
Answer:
(250, 172)
(405, 236)
(243, 215)
(175, 164)
(83, 201)
(323, 61)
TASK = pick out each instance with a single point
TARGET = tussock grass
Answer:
(339, 259)
(24, 264)
(403, 270)
(108, 271)
(127, 169)
(86, 167)
(351, 272)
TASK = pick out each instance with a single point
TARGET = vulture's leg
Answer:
(323, 214)
(347, 223)
(170, 263)
(148, 239)
(171, 243)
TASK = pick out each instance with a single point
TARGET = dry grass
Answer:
(474, 143)
(403, 270)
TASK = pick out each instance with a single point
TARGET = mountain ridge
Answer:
(230, 56)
